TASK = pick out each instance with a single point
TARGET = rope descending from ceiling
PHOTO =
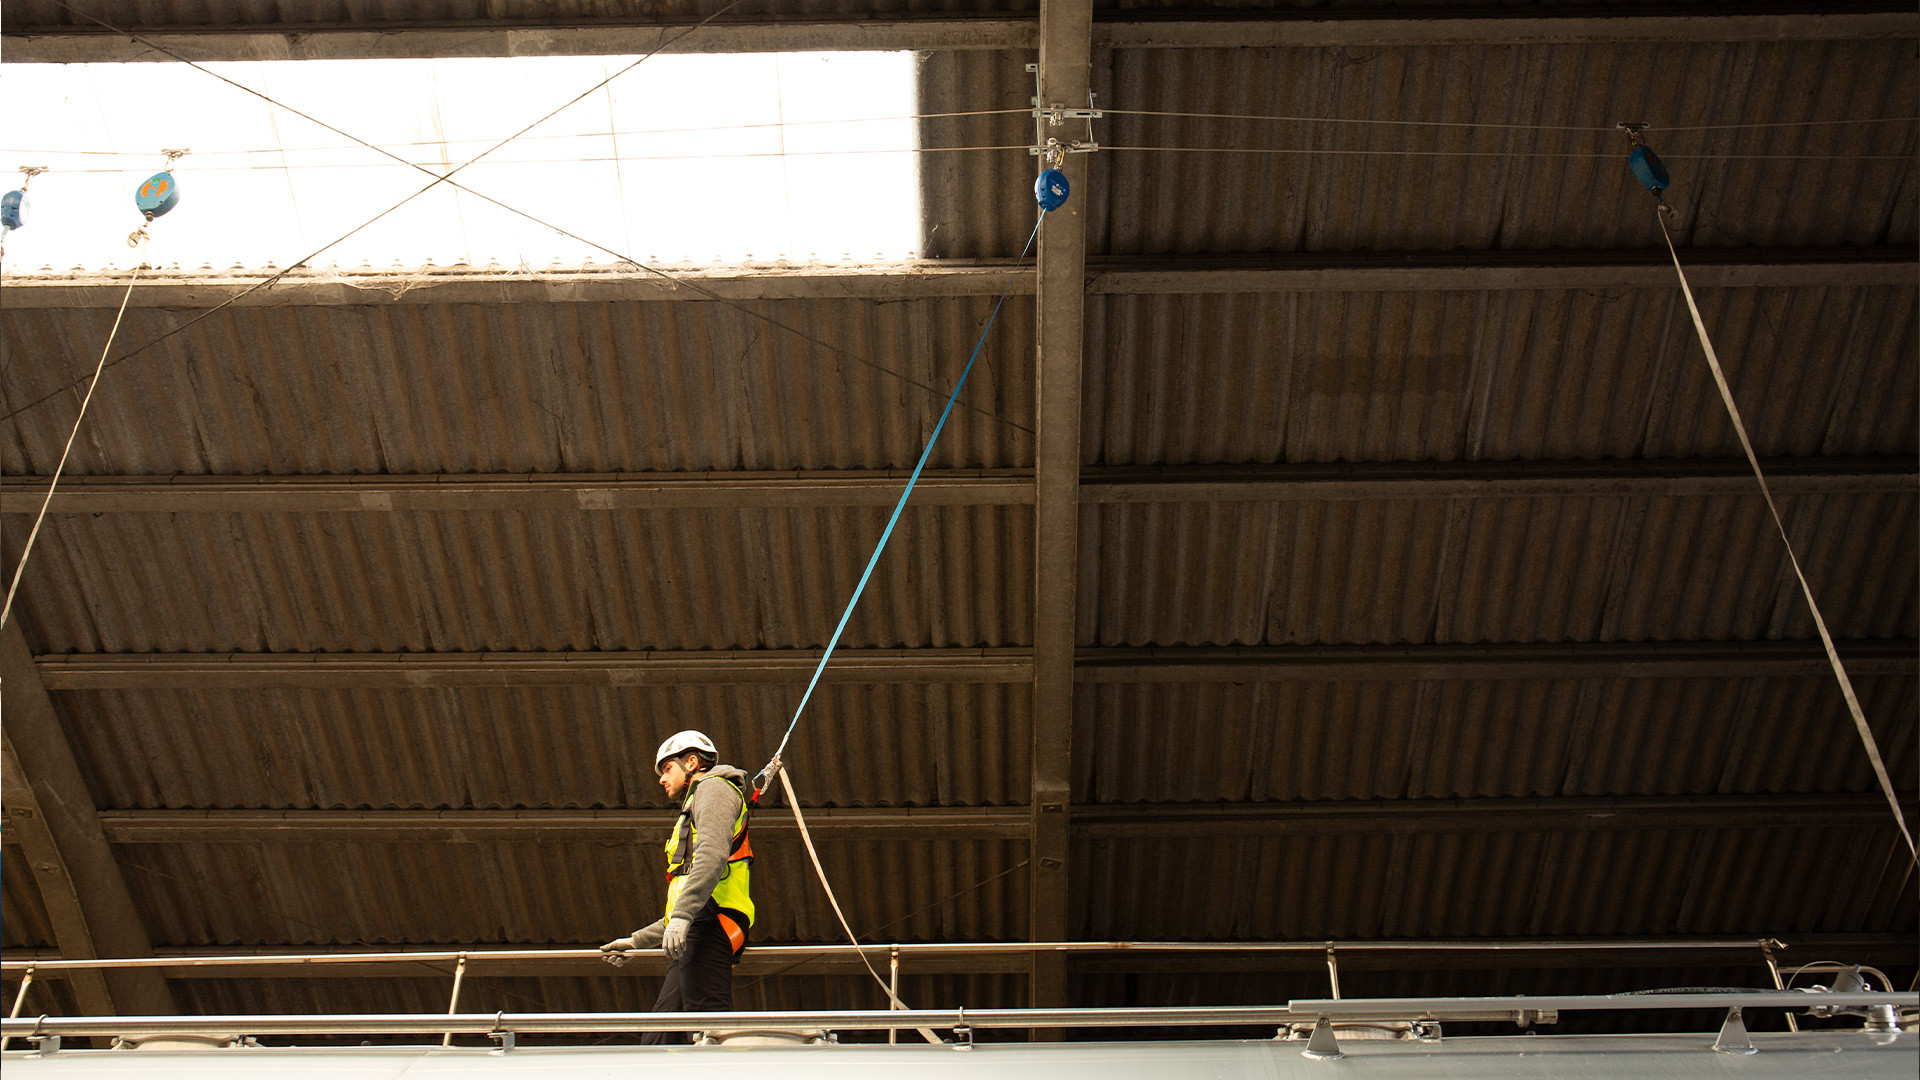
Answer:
(1652, 174)
(159, 194)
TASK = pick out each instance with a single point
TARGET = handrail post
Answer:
(1333, 971)
(893, 995)
(18, 1000)
(459, 973)
(1766, 951)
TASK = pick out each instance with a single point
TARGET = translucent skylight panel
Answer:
(683, 160)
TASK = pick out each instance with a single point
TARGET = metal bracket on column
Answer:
(1051, 147)
(1733, 1037)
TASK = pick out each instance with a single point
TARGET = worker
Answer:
(708, 910)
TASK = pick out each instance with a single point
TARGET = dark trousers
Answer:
(701, 980)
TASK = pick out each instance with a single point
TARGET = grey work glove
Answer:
(675, 939)
(615, 952)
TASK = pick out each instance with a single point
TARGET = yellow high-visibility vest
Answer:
(731, 891)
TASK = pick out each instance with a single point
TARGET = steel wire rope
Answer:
(1820, 623)
(609, 134)
(20, 568)
(1609, 129)
(1510, 154)
(741, 155)
(784, 154)
(714, 128)
(448, 179)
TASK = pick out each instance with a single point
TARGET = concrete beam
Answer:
(51, 813)
(1065, 76)
(1131, 822)
(1109, 276)
(297, 41)
(566, 492)
(1285, 663)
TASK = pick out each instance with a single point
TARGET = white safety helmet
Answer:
(683, 742)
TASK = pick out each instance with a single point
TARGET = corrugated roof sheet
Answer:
(558, 892)
(519, 388)
(1445, 376)
(945, 744)
(1560, 569)
(1526, 881)
(1482, 739)
(515, 581)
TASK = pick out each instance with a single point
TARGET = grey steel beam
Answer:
(1679, 24)
(1109, 276)
(51, 813)
(1130, 822)
(1193, 664)
(1065, 77)
(1678, 478)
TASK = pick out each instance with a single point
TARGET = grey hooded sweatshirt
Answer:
(714, 807)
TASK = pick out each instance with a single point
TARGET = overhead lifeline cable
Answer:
(1647, 167)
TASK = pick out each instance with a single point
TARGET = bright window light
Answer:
(684, 160)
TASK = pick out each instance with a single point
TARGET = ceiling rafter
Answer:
(1285, 482)
(1180, 664)
(1106, 276)
(1679, 23)
(1090, 821)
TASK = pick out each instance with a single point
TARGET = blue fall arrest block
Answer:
(158, 195)
(13, 210)
(1649, 169)
(1050, 189)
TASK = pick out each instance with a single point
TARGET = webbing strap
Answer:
(1826, 639)
(902, 504)
(793, 801)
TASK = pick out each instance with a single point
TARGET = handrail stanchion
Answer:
(893, 1034)
(1766, 950)
(1333, 971)
(19, 999)
(459, 973)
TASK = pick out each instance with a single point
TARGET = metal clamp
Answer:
(1051, 148)
(42, 1044)
(963, 1032)
(500, 1035)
